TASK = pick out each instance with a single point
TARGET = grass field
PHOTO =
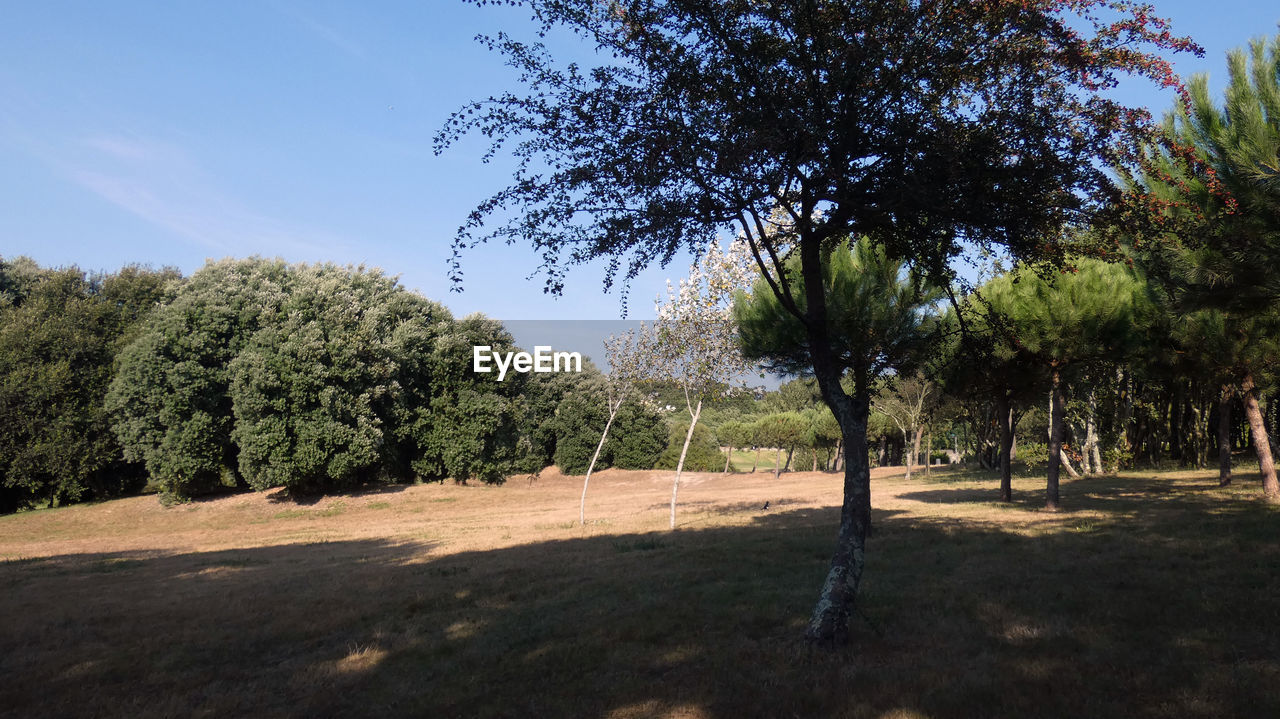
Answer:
(1149, 596)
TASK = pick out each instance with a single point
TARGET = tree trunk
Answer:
(728, 456)
(777, 463)
(1224, 437)
(915, 445)
(829, 623)
(757, 462)
(883, 459)
(1004, 416)
(1091, 432)
(582, 506)
(1261, 442)
(815, 459)
(1056, 412)
(791, 451)
(928, 453)
(1123, 440)
(675, 485)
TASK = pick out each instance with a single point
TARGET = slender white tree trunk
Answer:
(675, 486)
(582, 507)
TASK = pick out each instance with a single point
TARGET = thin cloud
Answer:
(163, 185)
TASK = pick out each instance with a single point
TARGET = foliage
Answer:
(59, 332)
(641, 437)
(314, 390)
(876, 318)
(170, 399)
(1093, 311)
(736, 434)
(703, 454)
(782, 429)
(1211, 196)
(1034, 456)
(310, 377)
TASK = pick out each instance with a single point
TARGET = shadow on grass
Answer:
(306, 498)
(1172, 616)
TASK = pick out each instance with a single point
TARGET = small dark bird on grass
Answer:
(766, 506)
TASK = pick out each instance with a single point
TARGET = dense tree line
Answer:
(262, 374)
(60, 330)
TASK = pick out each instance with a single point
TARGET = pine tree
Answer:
(1065, 322)
(1212, 197)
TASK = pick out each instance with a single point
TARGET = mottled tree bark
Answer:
(829, 623)
(1056, 412)
(1261, 442)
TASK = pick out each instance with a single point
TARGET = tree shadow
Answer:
(955, 620)
(307, 498)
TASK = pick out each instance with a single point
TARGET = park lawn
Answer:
(1150, 595)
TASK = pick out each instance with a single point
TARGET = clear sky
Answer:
(164, 133)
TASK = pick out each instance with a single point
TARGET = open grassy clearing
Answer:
(1151, 596)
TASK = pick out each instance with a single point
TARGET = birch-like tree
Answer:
(694, 341)
(621, 351)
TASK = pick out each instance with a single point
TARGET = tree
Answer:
(1212, 201)
(734, 435)
(924, 126)
(984, 369)
(1070, 320)
(316, 389)
(623, 369)
(782, 430)
(908, 401)
(693, 341)
(59, 332)
(170, 398)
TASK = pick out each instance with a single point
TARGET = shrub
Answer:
(703, 454)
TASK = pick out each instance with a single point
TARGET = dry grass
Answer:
(1151, 596)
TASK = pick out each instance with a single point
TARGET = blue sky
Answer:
(165, 133)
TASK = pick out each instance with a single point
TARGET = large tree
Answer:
(1212, 196)
(924, 125)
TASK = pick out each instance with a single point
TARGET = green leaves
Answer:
(309, 377)
(876, 315)
(59, 332)
(1095, 310)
